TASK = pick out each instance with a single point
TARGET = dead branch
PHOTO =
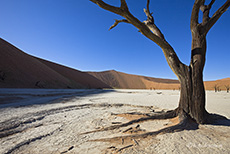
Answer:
(124, 5)
(117, 22)
(150, 22)
(133, 20)
(195, 13)
(206, 9)
(216, 15)
(108, 7)
(149, 30)
(207, 22)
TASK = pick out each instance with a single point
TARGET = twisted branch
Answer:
(150, 22)
(207, 22)
(195, 13)
(216, 15)
(148, 29)
(206, 9)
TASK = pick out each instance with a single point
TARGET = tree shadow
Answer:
(218, 120)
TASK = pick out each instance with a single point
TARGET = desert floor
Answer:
(54, 121)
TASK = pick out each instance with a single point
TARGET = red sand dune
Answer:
(127, 81)
(220, 84)
(20, 70)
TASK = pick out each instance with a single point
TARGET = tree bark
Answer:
(198, 54)
(192, 100)
(192, 95)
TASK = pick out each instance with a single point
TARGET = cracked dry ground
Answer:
(60, 127)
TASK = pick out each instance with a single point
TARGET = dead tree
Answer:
(227, 88)
(192, 92)
(216, 88)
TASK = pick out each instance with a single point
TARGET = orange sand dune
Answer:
(220, 84)
(127, 81)
(20, 70)
(121, 80)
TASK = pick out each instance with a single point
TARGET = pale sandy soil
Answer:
(57, 127)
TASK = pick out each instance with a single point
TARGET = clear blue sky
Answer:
(75, 33)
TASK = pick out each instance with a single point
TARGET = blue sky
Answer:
(75, 33)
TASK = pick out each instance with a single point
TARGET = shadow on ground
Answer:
(219, 120)
(26, 97)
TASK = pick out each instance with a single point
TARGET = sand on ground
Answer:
(54, 121)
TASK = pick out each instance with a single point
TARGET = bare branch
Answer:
(147, 12)
(210, 4)
(108, 7)
(203, 8)
(150, 22)
(117, 22)
(154, 29)
(148, 1)
(134, 21)
(206, 10)
(149, 15)
(216, 16)
(124, 5)
(195, 13)
(149, 30)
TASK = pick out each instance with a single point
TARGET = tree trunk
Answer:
(192, 97)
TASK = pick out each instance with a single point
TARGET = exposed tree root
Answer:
(180, 123)
(133, 113)
(165, 115)
(185, 123)
(134, 134)
(132, 130)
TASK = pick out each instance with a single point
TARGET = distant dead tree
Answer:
(216, 88)
(227, 88)
(192, 91)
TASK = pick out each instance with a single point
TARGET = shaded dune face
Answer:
(20, 70)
